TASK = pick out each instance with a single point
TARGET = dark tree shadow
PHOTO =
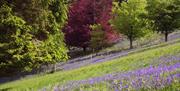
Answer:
(5, 89)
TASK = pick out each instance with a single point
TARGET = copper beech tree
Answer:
(83, 14)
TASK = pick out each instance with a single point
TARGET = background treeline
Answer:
(38, 32)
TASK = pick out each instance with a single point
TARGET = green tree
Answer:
(165, 15)
(31, 33)
(98, 37)
(128, 19)
(16, 47)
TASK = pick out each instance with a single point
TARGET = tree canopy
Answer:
(83, 14)
(165, 15)
(30, 33)
(128, 19)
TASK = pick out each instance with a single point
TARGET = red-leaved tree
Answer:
(84, 13)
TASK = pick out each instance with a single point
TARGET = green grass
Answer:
(126, 63)
(149, 38)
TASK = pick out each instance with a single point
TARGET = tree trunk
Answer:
(131, 43)
(166, 36)
(84, 49)
(54, 67)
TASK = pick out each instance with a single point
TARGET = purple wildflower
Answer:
(150, 77)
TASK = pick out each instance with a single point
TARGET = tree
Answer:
(82, 14)
(165, 15)
(128, 19)
(15, 41)
(97, 37)
(31, 33)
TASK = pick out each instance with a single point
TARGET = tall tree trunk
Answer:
(131, 43)
(166, 36)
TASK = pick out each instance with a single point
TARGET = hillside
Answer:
(164, 55)
(89, 45)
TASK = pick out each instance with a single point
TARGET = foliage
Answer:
(15, 40)
(59, 10)
(120, 1)
(165, 15)
(97, 37)
(128, 19)
(31, 33)
(83, 14)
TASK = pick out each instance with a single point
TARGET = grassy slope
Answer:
(130, 62)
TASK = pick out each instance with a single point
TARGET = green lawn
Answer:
(131, 62)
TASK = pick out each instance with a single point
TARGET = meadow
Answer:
(155, 58)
